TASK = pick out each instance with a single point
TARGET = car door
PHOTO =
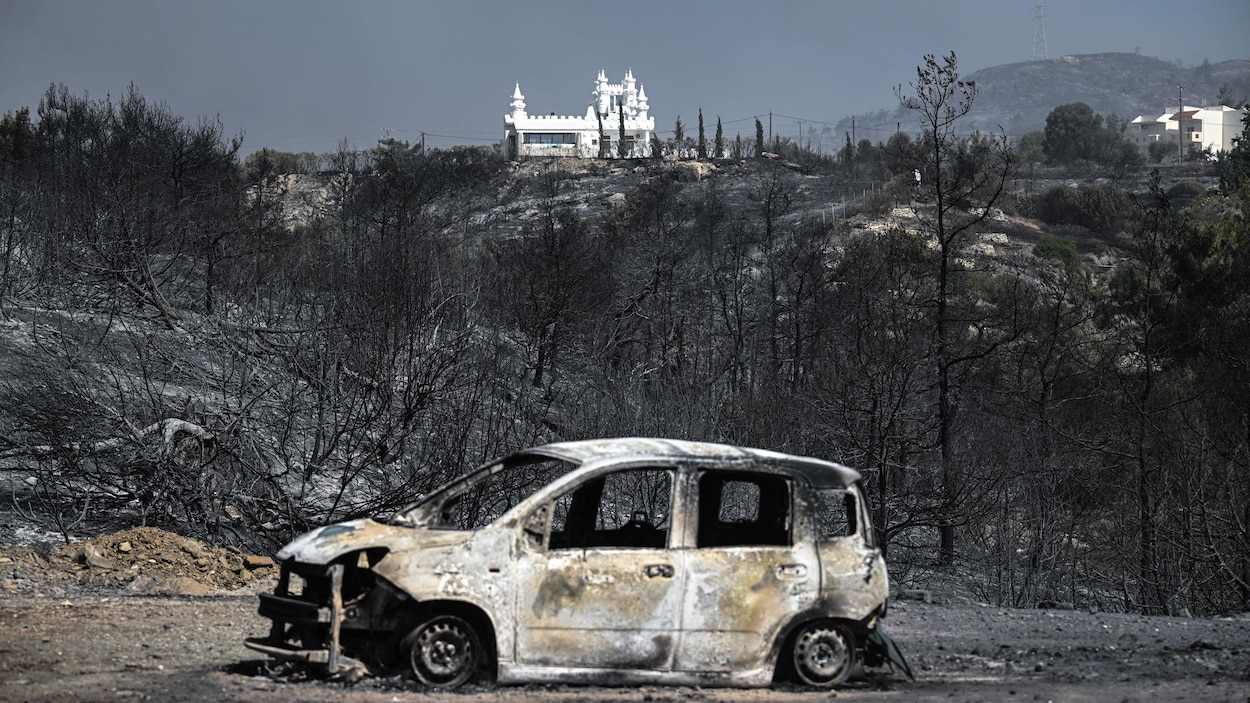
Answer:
(597, 586)
(748, 570)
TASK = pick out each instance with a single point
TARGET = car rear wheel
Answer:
(444, 651)
(824, 654)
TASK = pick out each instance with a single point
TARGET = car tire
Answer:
(823, 654)
(444, 651)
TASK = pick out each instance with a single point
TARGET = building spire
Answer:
(518, 102)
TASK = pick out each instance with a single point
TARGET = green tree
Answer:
(719, 144)
(1158, 151)
(899, 153)
(846, 155)
(622, 150)
(1228, 98)
(867, 155)
(1071, 133)
(1058, 250)
(1074, 134)
(1235, 165)
(1031, 148)
(702, 143)
(759, 138)
(603, 138)
(679, 137)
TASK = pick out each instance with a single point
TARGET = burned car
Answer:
(607, 561)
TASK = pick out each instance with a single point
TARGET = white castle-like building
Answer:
(595, 134)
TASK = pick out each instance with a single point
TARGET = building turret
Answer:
(602, 96)
(642, 103)
(518, 102)
(629, 94)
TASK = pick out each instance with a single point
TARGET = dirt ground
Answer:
(164, 620)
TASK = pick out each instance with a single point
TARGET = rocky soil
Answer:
(144, 560)
(148, 615)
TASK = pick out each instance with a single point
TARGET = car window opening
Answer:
(743, 510)
(836, 514)
(629, 509)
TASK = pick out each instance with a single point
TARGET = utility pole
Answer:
(770, 129)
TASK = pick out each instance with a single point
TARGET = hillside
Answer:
(1018, 96)
(188, 342)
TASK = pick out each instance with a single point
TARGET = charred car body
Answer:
(599, 561)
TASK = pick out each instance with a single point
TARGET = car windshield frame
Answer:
(435, 510)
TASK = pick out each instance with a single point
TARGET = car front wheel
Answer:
(444, 651)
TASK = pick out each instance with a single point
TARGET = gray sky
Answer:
(303, 75)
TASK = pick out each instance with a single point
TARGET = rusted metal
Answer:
(336, 615)
(603, 561)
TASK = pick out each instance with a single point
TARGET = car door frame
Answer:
(738, 600)
(562, 595)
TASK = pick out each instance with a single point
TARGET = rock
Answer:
(193, 548)
(83, 553)
(181, 586)
(96, 561)
(253, 562)
(916, 594)
(691, 170)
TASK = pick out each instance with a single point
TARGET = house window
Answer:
(557, 138)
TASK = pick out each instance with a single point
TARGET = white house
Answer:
(527, 135)
(1198, 127)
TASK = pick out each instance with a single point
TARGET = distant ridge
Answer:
(1018, 96)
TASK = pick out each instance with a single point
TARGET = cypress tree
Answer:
(702, 137)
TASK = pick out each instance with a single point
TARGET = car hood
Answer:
(325, 544)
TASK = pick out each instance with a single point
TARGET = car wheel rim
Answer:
(823, 656)
(444, 652)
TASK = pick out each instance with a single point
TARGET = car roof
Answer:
(820, 473)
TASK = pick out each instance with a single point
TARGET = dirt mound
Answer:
(143, 560)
